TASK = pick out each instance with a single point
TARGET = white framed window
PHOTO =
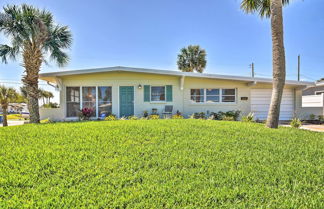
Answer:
(104, 101)
(158, 93)
(197, 95)
(72, 101)
(213, 95)
(228, 95)
(89, 99)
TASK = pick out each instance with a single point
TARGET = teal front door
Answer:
(126, 101)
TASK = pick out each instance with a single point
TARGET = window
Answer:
(157, 93)
(319, 92)
(228, 95)
(197, 95)
(104, 101)
(89, 98)
(212, 95)
(72, 101)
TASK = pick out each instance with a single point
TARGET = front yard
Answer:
(160, 164)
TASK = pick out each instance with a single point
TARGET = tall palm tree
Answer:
(273, 9)
(191, 59)
(34, 36)
(7, 95)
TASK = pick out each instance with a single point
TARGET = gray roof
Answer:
(167, 72)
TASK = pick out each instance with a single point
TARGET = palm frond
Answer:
(8, 52)
(262, 7)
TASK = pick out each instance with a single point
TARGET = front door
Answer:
(126, 101)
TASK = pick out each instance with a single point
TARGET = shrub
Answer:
(111, 117)
(312, 117)
(248, 118)
(47, 120)
(198, 115)
(229, 118)
(176, 116)
(145, 114)
(86, 113)
(295, 123)
(154, 117)
(132, 117)
(220, 115)
(321, 118)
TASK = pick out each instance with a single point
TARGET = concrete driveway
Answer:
(318, 128)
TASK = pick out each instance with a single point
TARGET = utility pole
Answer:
(252, 68)
(298, 68)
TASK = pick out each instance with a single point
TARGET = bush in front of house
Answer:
(248, 118)
(176, 116)
(111, 117)
(229, 115)
(295, 123)
(132, 117)
(154, 117)
(86, 113)
(47, 120)
(198, 115)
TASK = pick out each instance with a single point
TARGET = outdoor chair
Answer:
(167, 111)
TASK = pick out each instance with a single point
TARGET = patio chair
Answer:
(167, 111)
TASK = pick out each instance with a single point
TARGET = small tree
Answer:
(191, 59)
(7, 95)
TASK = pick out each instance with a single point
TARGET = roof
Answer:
(46, 76)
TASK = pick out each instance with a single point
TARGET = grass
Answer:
(160, 164)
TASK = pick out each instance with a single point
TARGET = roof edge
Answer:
(169, 72)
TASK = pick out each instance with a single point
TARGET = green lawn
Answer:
(160, 164)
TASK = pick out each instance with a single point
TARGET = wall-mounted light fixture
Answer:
(139, 86)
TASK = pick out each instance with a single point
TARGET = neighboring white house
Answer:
(313, 100)
(16, 108)
(125, 91)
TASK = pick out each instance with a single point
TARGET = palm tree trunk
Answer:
(32, 58)
(5, 113)
(278, 62)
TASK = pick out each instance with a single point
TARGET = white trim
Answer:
(45, 76)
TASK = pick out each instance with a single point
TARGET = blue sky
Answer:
(149, 34)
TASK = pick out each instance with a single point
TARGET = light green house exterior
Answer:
(125, 91)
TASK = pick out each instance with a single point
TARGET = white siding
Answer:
(260, 102)
(313, 101)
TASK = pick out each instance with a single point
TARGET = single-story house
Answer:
(126, 91)
(313, 100)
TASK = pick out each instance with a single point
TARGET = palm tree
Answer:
(273, 9)
(50, 95)
(7, 95)
(191, 59)
(34, 36)
(42, 94)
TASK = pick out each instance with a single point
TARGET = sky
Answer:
(150, 34)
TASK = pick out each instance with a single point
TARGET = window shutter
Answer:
(147, 92)
(169, 93)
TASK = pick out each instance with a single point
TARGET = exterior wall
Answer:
(181, 98)
(116, 79)
(55, 114)
(242, 90)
